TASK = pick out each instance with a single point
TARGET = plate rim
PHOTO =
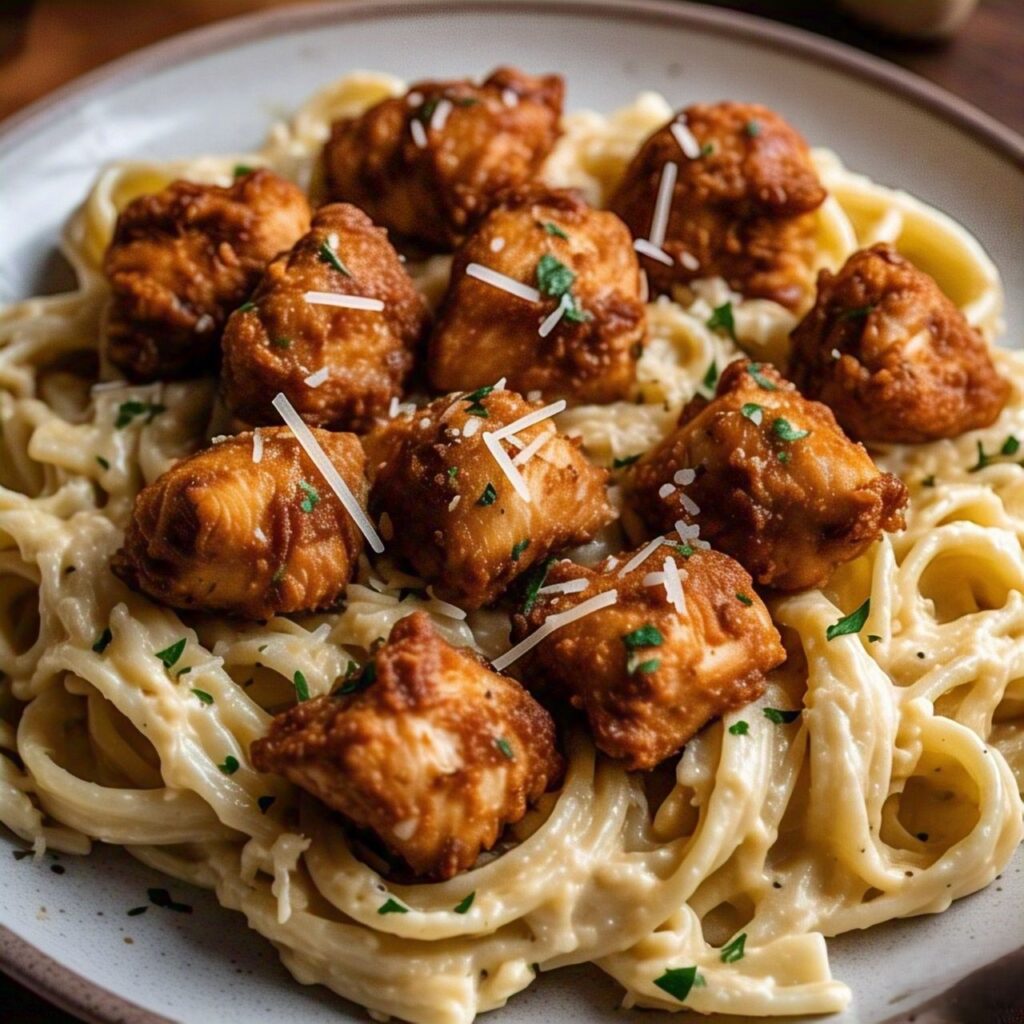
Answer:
(23, 961)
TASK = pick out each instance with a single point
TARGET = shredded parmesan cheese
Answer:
(450, 611)
(343, 301)
(663, 204)
(531, 418)
(684, 476)
(641, 556)
(503, 282)
(689, 504)
(689, 261)
(532, 448)
(418, 133)
(673, 588)
(646, 248)
(568, 587)
(550, 322)
(314, 380)
(497, 244)
(665, 490)
(470, 427)
(509, 97)
(440, 116)
(686, 139)
(257, 446)
(493, 443)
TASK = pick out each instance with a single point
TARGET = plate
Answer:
(67, 933)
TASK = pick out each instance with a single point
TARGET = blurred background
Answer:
(974, 49)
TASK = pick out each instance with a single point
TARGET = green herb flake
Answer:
(312, 496)
(488, 496)
(857, 313)
(327, 254)
(753, 412)
(785, 431)
(683, 549)
(281, 342)
(707, 149)
(781, 717)
(752, 128)
(127, 411)
(1010, 446)
(734, 951)
(453, 472)
(722, 319)
(518, 549)
(463, 906)
(553, 229)
(534, 583)
(505, 747)
(575, 314)
(784, 456)
(169, 655)
(392, 906)
(739, 728)
(626, 460)
(852, 623)
(646, 636)
(710, 378)
(301, 686)
(425, 111)
(264, 803)
(105, 463)
(203, 696)
(554, 278)
(103, 641)
(246, 307)
(635, 665)
(677, 981)
(241, 170)
(474, 398)
(229, 765)
(745, 599)
(754, 369)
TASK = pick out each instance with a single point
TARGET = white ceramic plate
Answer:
(68, 935)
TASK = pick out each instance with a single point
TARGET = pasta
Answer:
(894, 792)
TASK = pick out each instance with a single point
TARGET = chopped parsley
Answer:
(722, 319)
(425, 111)
(312, 496)
(453, 472)
(677, 981)
(127, 411)
(246, 307)
(857, 313)
(242, 169)
(533, 585)
(745, 599)
(555, 280)
(301, 686)
(357, 678)
(203, 696)
(780, 717)
(739, 728)
(264, 803)
(553, 229)
(683, 549)
(505, 747)
(785, 431)
(639, 639)
(392, 906)
(1009, 447)
(229, 765)
(183, 671)
(162, 898)
(852, 623)
(103, 641)
(784, 456)
(752, 128)
(488, 496)
(463, 905)
(626, 460)
(754, 369)
(474, 397)
(518, 549)
(327, 254)
(708, 148)
(753, 412)
(169, 655)
(281, 342)
(734, 951)
(105, 463)
(710, 378)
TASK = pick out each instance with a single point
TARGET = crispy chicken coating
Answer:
(647, 676)
(769, 478)
(429, 163)
(741, 206)
(453, 512)
(582, 263)
(281, 338)
(891, 356)
(435, 756)
(182, 259)
(219, 532)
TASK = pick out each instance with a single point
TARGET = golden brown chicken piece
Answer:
(456, 516)
(582, 337)
(429, 163)
(220, 532)
(182, 259)
(281, 338)
(741, 205)
(769, 478)
(891, 356)
(647, 675)
(435, 756)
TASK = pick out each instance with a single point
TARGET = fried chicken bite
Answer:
(741, 202)
(769, 478)
(429, 163)
(220, 532)
(892, 356)
(280, 338)
(581, 339)
(649, 672)
(436, 756)
(182, 259)
(454, 514)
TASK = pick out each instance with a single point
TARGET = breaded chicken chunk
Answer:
(182, 259)
(220, 532)
(436, 755)
(427, 164)
(741, 191)
(650, 671)
(455, 515)
(288, 332)
(891, 356)
(769, 478)
(580, 339)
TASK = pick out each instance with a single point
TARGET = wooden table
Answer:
(44, 44)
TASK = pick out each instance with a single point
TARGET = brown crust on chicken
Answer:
(789, 510)
(220, 533)
(742, 211)
(436, 756)
(283, 339)
(182, 259)
(494, 136)
(892, 356)
(644, 701)
(485, 333)
(454, 514)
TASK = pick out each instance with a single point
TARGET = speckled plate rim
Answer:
(20, 959)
